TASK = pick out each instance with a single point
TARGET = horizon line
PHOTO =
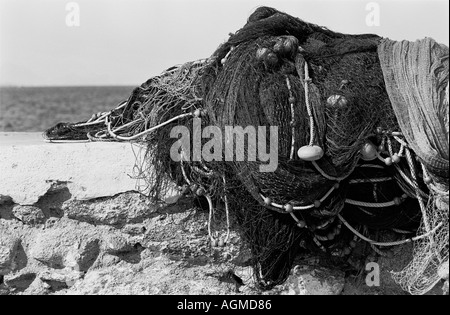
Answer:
(66, 85)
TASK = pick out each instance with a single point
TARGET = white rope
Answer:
(128, 124)
(227, 211)
(182, 169)
(324, 197)
(378, 251)
(102, 118)
(319, 244)
(308, 106)
(338, 179)
(405, 177)
(211, 209)
(387, 243)
(372, 204)
(401, 141)
(326, 223)
(136, 136)
(201, 172)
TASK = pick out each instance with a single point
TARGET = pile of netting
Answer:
(344, 168)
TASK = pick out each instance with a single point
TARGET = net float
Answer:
(337, 101)
(395, 158)
(261, 52)
(290, 45)
(278, 47)
(200, 191)
(197, 113)
(271, 59)
(388, 161)
(221, 243)
(288, 208)
(369, 151)
(193, 187)
(287, 46)
(310, 153)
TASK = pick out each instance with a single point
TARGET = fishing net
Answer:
(418, 88)
(286, 92)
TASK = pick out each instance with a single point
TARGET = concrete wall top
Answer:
(30, 167)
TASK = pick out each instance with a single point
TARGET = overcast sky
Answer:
(124, 42)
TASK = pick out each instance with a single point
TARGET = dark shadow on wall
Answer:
(51, 203)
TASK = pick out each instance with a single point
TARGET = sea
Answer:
(35, 109)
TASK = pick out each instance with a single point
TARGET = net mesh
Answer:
(416, 75)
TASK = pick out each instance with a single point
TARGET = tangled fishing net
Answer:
(352, 146)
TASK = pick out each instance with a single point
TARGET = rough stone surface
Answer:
(116, 211)
(57, 248)
(117, 244)
(38, 287)
(30, 215)
(65, 276)
(307, 280)
(8, 251)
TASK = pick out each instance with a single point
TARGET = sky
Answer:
(125, 42)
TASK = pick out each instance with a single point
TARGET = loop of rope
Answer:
(387, 244)
(296, 208)
(136, 136)
(227, 210)
(338, 179)
(373, 204)
(211, 215)
(211, 210)
(102, 118)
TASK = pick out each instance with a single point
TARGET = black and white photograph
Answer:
(224, 154)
